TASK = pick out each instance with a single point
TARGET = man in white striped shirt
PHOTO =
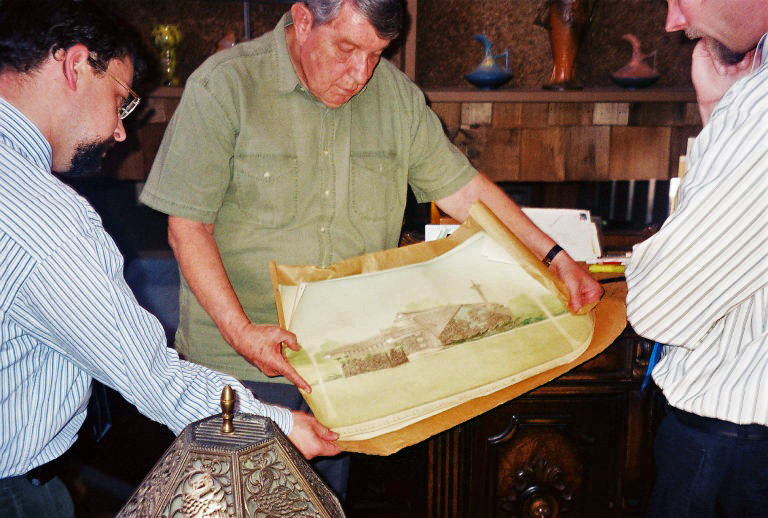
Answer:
(66, 313)
(700, 285)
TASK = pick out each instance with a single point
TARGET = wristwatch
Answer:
(551, 255)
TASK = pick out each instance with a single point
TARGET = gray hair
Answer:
(386, 16)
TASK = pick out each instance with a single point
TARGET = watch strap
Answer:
(551, 254)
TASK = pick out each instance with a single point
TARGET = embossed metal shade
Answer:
(251, 471)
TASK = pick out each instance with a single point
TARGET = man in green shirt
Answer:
(299, 147)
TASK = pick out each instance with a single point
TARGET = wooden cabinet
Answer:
(579, 446)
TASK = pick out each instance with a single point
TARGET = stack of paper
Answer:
(572, 229)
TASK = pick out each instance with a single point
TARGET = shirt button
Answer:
(325, 152)
(322, 229)
(327, 192)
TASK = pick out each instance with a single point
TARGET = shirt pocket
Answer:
(267, 188)
(373, 184)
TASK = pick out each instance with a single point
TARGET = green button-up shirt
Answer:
(285, 178)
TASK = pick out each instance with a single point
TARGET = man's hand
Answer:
(582, 287)
(311, 437)
(262, 346)
(712, 78)
(198, 255)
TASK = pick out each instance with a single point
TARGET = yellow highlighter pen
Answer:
(606, 268)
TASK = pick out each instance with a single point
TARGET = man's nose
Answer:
(119, 133)
(360, 69)
(675, 19)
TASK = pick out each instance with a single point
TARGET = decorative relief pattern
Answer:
(540, 467)
(271, 489)
(538, 489)
(204, 490)
(147, 499)
(254, 471)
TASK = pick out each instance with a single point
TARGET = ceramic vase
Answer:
(567, 22)
(167, 38)
(489, 75)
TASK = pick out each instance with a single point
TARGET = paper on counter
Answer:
(572, 229)
(433, 231)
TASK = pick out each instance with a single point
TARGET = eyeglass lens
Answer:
(127, 107)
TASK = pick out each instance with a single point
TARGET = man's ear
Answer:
(302, 21)
(74, 63)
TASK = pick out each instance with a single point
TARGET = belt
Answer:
(755, 432)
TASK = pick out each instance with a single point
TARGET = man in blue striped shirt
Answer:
(66, 313)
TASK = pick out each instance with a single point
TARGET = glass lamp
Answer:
(232, 466)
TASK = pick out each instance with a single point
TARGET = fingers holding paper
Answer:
(311, 437)
(583, 289)
(262, 346)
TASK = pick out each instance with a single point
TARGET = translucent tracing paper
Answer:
(393, 338)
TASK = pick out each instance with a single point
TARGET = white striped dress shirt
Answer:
(67, 316)
(700, 284)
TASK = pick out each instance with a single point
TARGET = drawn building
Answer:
(415, 332)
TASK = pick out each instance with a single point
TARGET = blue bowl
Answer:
(488, 79)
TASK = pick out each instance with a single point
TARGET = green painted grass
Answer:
(435, 375)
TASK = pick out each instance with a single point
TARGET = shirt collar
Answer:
(23, 137)
(761, 47)
(287, 80)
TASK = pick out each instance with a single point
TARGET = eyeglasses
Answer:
(125, 109)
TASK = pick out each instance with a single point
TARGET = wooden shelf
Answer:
(606, 94)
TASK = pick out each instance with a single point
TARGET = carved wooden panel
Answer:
(549, 456)
(615, 364)
(448, 477)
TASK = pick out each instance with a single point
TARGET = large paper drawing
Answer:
(388, 348)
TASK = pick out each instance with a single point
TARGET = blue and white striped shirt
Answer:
(700, 284)
(67, 316)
